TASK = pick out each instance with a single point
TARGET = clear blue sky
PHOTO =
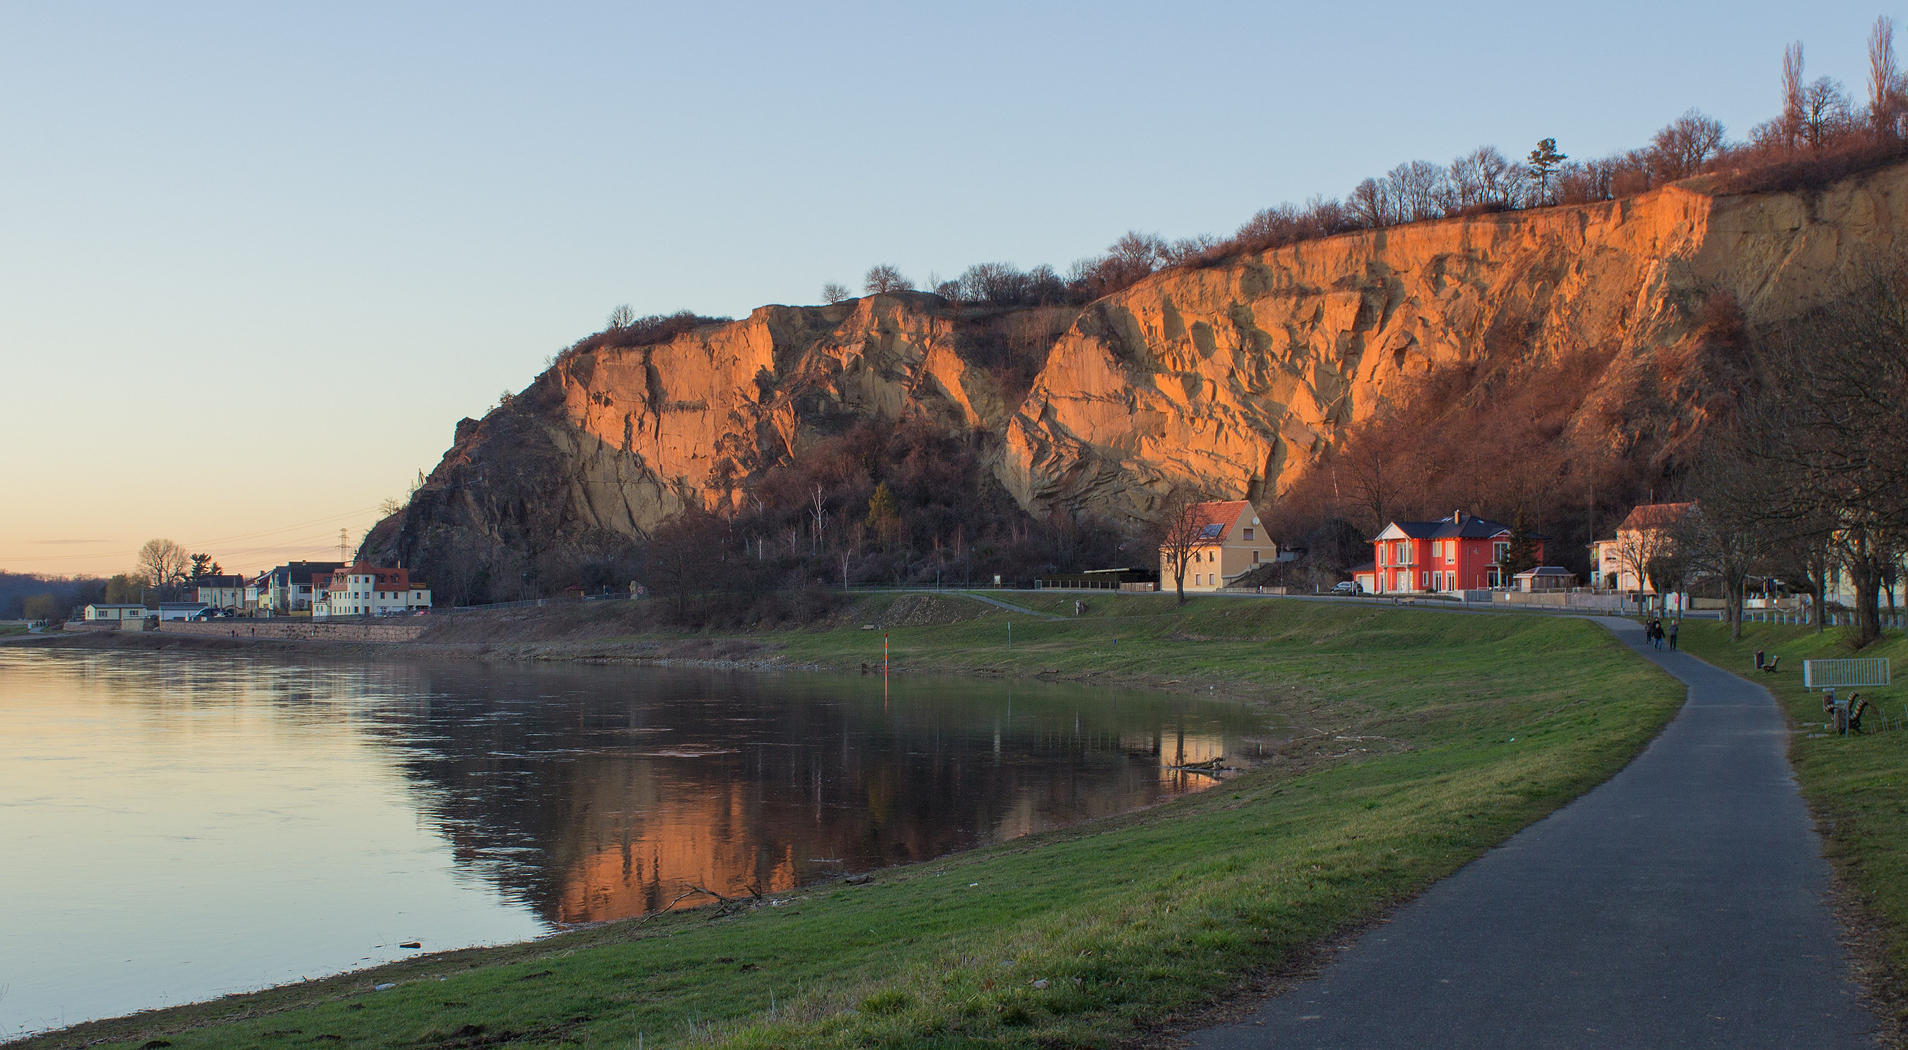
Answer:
(256, 260)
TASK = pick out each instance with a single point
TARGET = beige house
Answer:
(1231, 544)
(1646, 534)
(115, 613)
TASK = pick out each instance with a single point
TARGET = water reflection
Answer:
(221, 823)
(599, 793)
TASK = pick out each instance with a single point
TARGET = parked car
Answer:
(1347, 587)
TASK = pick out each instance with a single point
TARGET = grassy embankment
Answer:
(1424, 738)
(1859, 784)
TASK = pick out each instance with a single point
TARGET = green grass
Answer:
(1425, 738)
(1859, 783)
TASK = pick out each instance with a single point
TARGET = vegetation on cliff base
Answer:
(1403, 768)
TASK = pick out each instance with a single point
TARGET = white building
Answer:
(223, 592)
(115, 613)
(366, 590)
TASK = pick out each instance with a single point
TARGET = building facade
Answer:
(1231, 543)
(1647, 533)
(222, 592)
(1458, 553)
(287, 589)
(367, 590)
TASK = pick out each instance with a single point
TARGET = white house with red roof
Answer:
(1231, 543)
(367, 590)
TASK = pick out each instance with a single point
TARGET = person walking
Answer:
(1673, 626)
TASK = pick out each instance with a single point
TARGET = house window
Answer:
(1248, 534)
(1500, 551)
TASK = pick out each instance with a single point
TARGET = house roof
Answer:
(1219, 518)
(1458, 526)
(218, 581)
(1545, 570)
(114, 605)
(1370, 566)
(1654, 516)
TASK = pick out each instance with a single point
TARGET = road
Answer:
(1680, 904)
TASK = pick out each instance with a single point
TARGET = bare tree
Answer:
(620, 318)
(1180, 534)
(1829, 424)
(1483, 177)
(1824, 111)
(1882, 78)
(1792, 95)
(164, 563)
(1804, 553)
(1371, 204)
(1728, 537)
(1637, 548)
(818, 510)
(883, 279)
(833, 292)
(1685, 147)
(1418, 190)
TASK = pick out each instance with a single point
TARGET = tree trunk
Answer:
(1732, 602)
(1866, 576)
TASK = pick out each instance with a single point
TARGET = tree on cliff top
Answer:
(834, 292)
(883, 279)
(1544, 162)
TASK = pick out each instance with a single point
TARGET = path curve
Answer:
(1682, 903)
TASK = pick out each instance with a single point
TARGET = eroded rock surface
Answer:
(1232, 377)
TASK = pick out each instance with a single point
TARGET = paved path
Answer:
(1680, 904)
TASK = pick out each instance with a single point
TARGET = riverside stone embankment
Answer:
(297, 630)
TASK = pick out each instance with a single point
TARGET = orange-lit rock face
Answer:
(1235, 376)
(1231, 377)
(658, 423)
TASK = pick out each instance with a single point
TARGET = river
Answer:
(175, 827)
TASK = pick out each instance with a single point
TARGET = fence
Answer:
(1839, 674)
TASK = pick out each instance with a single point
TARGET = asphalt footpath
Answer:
(1680, 904)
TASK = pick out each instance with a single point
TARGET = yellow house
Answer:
(1231, 544)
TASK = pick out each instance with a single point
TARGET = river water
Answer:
(176, 827)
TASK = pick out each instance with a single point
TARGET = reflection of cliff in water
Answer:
(596, 793)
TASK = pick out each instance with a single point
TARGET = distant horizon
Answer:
(260, 262)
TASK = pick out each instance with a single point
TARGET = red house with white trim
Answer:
(1458, 553)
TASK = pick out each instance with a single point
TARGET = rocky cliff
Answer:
(1232, 377)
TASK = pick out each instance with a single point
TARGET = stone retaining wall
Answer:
(304, 630)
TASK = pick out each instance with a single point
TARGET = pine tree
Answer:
(1544, 161)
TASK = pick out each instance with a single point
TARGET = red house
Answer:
(1458, 553)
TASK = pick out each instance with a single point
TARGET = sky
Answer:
(257, 260)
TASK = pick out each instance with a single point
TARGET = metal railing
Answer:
(1841, 674)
